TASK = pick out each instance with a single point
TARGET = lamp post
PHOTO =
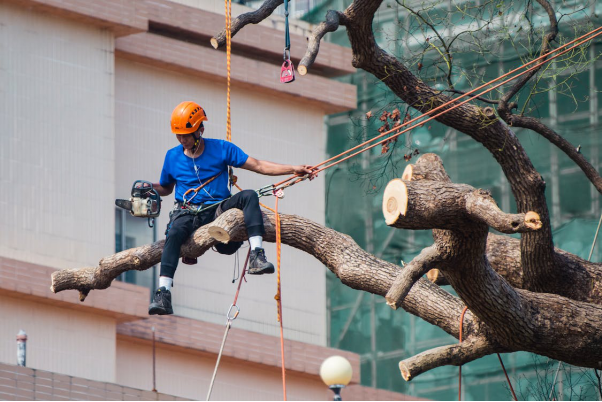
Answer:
(21, 351)
(336, 372)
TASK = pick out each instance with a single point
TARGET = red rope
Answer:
(507, 378)
(244, 270)
(597, 32)
(460, 341)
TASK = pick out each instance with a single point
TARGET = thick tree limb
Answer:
(252, 17)
(582, 280)
(429, 204)
(355, 267)
(408, 276)
(330, 24)
(454, 355)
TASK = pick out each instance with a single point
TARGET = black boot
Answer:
(161, 304)
(258, 265)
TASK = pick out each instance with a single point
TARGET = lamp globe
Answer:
(336, 372)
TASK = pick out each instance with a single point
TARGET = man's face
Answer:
(188, 140)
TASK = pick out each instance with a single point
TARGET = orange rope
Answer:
(278, 297)
(228, 7)
(460, 369)
(597, 32)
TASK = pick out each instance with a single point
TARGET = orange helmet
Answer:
(187, 117)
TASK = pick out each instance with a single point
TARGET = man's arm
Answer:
(163, 191)
(276, 169)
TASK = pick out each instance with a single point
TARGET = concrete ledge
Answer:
(192, 24)
(333, 60)
(123, 301)
(243, 345)
(175, 55)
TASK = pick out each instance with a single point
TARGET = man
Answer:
(197, 162)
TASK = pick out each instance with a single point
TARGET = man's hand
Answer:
(164, 191)
(277, 169)
(302, 170)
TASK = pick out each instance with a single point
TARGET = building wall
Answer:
(275, 21)
(60, 340)
(188, 375)
(265, 128)
(56, 142)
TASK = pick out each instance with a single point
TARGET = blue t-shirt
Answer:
(215, 159)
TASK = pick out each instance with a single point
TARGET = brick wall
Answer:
(26, 384)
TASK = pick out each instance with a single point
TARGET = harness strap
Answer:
(196, 190)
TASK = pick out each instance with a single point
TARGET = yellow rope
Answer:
(228, 5)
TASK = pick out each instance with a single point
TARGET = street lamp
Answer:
(336, 372)
(21, 345)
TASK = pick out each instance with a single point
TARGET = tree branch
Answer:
(252, 17)
(570, 150)
(450, 355)
(330, 24)
(408, 276)
(481, 206)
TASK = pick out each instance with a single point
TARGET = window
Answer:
(131, 232)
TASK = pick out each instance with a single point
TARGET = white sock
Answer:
(256, 242)
(165, 282)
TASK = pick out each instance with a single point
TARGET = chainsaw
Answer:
(144, 203)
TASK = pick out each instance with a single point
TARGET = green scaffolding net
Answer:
(566, 98)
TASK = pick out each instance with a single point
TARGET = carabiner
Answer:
(263, 191)
(233, 317)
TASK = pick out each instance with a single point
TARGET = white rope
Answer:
(219, 356)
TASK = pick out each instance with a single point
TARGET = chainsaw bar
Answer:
(125, 204)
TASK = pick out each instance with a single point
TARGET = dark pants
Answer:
(182, 224)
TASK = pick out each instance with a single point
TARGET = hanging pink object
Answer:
(287, 73)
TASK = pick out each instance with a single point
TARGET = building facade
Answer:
(86, 93)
